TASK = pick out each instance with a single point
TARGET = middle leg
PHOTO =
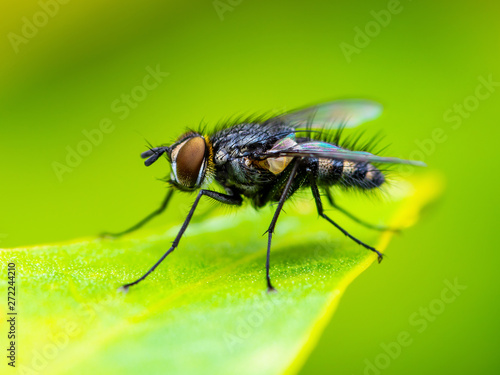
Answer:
(270, 230)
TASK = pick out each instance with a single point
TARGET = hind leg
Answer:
(354, 218)
(319, 206)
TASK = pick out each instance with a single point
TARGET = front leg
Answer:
(223, 198)
(145, 220)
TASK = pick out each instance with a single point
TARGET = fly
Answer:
(266, 160)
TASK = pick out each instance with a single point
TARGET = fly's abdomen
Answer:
(349, 174)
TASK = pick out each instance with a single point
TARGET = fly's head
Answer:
(190, 158)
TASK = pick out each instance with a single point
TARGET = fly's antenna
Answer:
(153, 154)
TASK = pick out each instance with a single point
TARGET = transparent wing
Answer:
(347, 113)
(326, 150)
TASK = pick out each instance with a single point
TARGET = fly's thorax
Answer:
(349, 173)
(221, 156)
(190, 158)
(274, 165)
(278, 165)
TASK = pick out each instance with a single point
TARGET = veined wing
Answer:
(327, 150)
(341, 113)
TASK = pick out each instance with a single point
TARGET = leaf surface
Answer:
(205, 310)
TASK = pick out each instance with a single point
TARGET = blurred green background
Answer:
(65, 69)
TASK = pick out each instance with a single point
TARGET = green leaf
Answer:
(205, 309)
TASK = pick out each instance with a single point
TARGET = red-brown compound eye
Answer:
(189, 161)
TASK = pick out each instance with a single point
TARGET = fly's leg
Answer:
(319, 205)
(223, 198)
(270, 231)
(145, 220)
(381, 228)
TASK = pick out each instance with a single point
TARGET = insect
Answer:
(266, 160)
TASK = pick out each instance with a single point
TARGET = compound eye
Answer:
(189, 161)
